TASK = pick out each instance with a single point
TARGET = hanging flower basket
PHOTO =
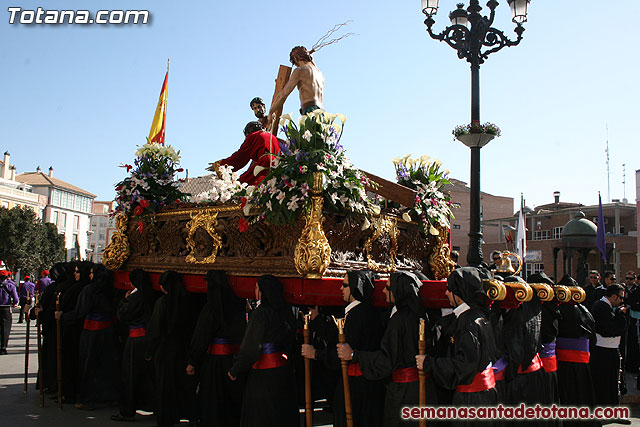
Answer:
(475, 139)
(476, 134)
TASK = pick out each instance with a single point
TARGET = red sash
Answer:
(224, 349)
(549, 364)
(572, 356)
(271, 360)
(572, 350)
(535, 365)
(482, 381)
(354, 370)
(96, 325)
(405, 375)
(137, 331)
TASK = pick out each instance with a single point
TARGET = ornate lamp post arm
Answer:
(471, 34)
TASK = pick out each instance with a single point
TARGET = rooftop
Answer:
(41, 179)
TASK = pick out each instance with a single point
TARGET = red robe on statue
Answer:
(256, 147)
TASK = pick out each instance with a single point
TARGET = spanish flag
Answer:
(156, 134)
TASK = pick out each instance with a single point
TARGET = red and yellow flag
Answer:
(156, 134)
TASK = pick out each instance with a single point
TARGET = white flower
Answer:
(375, 209)
(272, 182)
(434, 231)
(366, 224)
(285, 118)
(292, 205)
(334, 197)
(307, 135)
(406, 216)
(342, 118)
(258, 169)
(269, 205)
(280, 196)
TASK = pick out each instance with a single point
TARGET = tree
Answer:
(27, 243)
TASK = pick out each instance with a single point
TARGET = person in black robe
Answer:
(398, 348)
(270, 392)
(363, 331)
(135, 311)
(72, 328)
(575, 329)
(466, 364)
(216, 339)
(97, 369)
(610, 319)
(166, 345)
(548, 334)
(45, 313)
(524, 376)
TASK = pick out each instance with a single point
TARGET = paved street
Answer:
(18, 409)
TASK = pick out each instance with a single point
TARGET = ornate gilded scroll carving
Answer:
(383, 226)
(117, 251)
(544, 291)
(207, 220)
(439, 261)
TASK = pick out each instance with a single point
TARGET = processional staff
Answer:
(307, 375)
(59, 352)
(345, 374)
(422, 347)
(26, 345)
(39, 332)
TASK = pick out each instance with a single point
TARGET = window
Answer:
(557, 233)
(456, 226)
(64, 199)
(541, 235)
(101, 237)
(455, 248)
(62, 220)
(54, 217)
(77, 202)
(533, 268)
(56, 197)
(5, 205)
(76, 222)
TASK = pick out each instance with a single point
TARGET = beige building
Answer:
(14, 193)
(492, 207)
(67, 206)
(102, 228)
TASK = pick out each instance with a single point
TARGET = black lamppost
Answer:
(473, 37)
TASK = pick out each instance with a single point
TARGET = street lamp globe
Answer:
(459, 16)
(519, 9)
(430, 7)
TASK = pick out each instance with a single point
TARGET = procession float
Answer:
(310, 217)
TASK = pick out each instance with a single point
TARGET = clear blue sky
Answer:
(80, 98)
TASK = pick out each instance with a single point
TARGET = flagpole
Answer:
(166, 103)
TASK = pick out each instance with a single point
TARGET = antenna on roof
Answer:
(608, 172)
(624, 183)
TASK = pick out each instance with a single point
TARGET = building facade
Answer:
(102, 228)
(14, 193)
(67, 206)
(492, 207)
(546, 249)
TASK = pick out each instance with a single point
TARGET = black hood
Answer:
(361, 284)
(271, 290)
(466, 283)
(405, 287)
(540, 278)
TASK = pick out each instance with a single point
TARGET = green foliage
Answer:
(27, 243)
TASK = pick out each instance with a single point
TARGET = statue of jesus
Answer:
(307, 78)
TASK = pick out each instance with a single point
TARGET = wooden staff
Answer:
(345, 375)
(308, 408)
(422, 347)
(26, 345)
(39, 332)
(59, 351)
